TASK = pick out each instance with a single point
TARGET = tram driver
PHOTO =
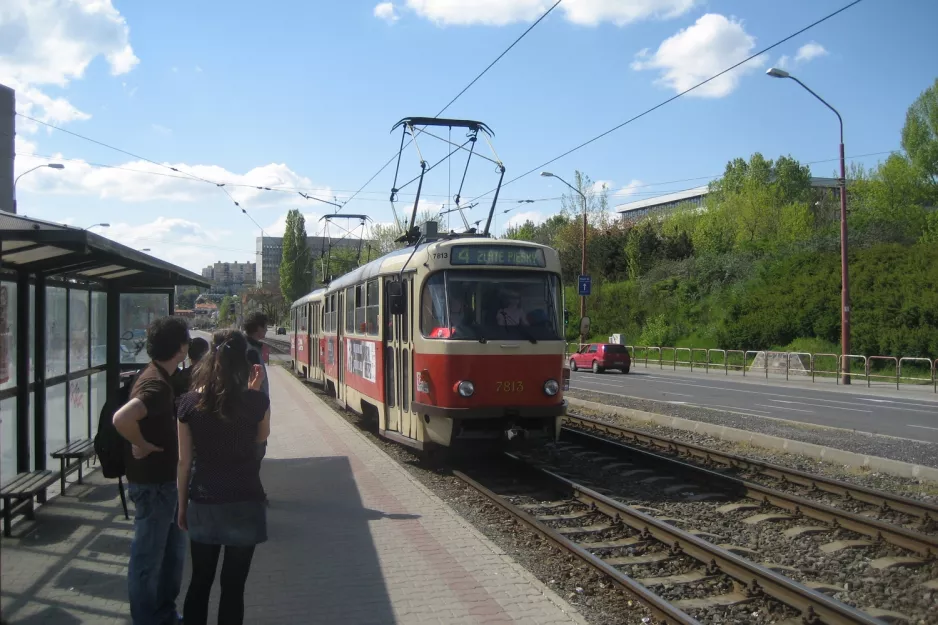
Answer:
(513, 313)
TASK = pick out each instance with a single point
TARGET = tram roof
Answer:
(308, 297)
(45, 248)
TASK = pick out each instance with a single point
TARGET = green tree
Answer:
(920, 133)
(295, 267)
(226, 311)
(185, 300)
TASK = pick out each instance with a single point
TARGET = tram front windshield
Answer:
(485, 305)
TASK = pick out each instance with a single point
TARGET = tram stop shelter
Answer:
(74, 307)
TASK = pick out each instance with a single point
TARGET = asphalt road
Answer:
(909, 413)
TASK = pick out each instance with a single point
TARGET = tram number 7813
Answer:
(509, 387)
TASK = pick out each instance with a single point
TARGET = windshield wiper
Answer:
(479, 334)
(527, 333)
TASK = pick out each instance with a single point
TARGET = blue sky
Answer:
(303, 95)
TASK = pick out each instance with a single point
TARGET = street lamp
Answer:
(547, 174)
(49, 165)
(774, 72)
(103, 225)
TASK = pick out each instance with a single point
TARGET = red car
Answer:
(601, 356)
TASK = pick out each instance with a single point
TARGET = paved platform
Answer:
(353, 539)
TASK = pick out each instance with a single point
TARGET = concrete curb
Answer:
(828, 454)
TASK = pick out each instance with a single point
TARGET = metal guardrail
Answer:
(818, 364)
(895, 370)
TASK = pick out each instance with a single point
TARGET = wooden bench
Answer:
(80, 450)
(18, 493)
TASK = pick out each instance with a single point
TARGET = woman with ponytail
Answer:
(221, 421)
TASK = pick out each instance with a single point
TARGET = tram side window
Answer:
(371, 308)
(408, 307)
(350, 310)
(360, 309)
(433, 323)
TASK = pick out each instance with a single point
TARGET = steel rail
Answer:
(927, 512)
(666, 613)
(922, 544)
(815, 606)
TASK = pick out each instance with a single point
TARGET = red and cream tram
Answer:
(455, 341)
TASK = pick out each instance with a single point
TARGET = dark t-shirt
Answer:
(154, 388)
(226, 465)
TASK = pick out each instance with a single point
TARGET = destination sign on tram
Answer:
(504, 255)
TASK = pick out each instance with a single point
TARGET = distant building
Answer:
(231, 278)
(270, 253)
(692, 198)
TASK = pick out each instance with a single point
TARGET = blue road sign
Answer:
(584, 284)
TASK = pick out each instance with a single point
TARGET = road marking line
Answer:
(671, 380)
(784, 408)
(802, 403)
(923, 427)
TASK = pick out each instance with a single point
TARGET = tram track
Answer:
(887, 570)
(919, 517)
(708, 581)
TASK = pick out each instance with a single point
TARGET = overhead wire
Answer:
(678, 95)
(458, 95)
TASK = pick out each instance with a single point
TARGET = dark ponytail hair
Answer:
(222, 375)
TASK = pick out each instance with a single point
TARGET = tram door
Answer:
(340, 348)
(398, 351)
(315, 357)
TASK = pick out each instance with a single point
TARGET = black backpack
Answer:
(109, 445)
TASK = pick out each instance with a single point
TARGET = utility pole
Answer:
(844, 272)
(547, 174)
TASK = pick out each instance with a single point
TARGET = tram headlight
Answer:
(551, 387)
(465, 388)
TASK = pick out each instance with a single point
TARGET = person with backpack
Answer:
(221, 422)
(148, 422)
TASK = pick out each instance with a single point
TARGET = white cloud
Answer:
(160, 129)
(518, 219)
(52, 43)
(601, 186)
(783, 62)
(628, 189)
(695, 53)
(810, 51)
(583, 12)
(385, 11)
(178, 241)
(140, 181)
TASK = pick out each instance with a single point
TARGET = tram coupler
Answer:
(515, 432)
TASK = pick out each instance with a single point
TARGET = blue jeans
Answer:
(157, 555)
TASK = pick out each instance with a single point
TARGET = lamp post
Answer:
(844, 274)
(103, 225)
(49, 165)
(547, 174)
